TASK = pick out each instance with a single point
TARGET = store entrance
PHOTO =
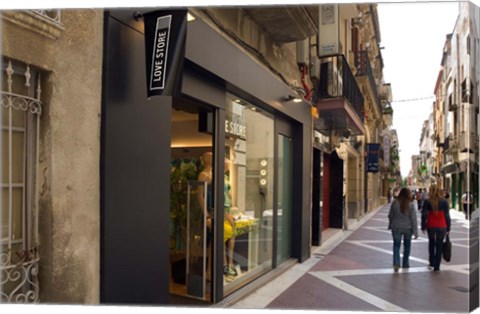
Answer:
(191, 208)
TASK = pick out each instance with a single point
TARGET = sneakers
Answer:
(395, 268)
(227, 271)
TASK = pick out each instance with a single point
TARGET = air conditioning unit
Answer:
(334, 85)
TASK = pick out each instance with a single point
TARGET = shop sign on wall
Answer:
(235, 125)
(165, 33)
(235, 128)
(372, 157)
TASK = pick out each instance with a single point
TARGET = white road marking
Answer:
(356, 292)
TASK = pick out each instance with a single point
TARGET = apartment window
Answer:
(21, 109)
(468, 44)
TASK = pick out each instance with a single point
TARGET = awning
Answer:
(450, 168)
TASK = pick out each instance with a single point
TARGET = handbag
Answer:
(447, 249)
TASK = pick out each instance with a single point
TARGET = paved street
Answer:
(353, 271)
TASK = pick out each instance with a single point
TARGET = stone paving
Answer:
(355, 273)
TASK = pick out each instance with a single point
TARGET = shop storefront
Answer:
(202, 192)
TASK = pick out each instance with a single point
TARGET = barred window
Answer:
(20, 115)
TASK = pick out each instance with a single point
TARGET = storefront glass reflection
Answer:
(248, 193)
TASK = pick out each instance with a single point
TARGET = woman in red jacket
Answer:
(436, 220)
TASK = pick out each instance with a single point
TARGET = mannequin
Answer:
(229, 229)
(206, 176)
(229, 223)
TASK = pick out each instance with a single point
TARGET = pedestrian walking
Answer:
(446, 195)
(436, 221)
(419, 199)
(467, 201)
(402, 220)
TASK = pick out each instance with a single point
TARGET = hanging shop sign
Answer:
(386, 150)
(165, 33)
(372, 157)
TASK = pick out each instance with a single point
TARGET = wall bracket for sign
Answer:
(137, 16)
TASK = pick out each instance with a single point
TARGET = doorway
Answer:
(317, 198)
(337, 199)
(191, 207)
(285, 198)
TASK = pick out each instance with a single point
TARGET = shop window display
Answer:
(248, 193)
(248, 199)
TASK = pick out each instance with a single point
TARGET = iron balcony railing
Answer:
(364, 69)
(351, 90)
(338, 81)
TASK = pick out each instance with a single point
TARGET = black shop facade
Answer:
(205, 189)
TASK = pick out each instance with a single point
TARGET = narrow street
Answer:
(354, 272)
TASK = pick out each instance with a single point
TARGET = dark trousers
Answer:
(435, 245)
(467, 209)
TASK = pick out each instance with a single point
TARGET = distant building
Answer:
(459, 139)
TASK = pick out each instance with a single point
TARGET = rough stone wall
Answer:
(280, 57)
(69, 211)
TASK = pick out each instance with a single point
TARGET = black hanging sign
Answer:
(165, 33)
(372, 157)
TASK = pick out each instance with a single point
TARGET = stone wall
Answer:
(235, 22)
(69, 213)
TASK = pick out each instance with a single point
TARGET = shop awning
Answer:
(450, 168)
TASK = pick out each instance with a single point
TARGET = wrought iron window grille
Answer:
(21, 110)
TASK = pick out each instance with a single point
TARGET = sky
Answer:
(413, 35)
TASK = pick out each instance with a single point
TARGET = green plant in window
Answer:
(181, 172)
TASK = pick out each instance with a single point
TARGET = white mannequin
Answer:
(206, 176)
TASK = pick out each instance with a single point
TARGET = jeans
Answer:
(467, 210)
(435, 246)
(397, 241)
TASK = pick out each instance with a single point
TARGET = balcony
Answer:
(450, 143)
(365, 74)
(286, 23)
(468, 142)
(339, 100)
(292, 23)
(385, 92)
(452, 104)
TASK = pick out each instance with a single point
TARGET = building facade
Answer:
(51, 106)
(460, 85)
(224, 181)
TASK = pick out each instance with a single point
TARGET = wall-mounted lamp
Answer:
(293, 98)
(190, 17)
